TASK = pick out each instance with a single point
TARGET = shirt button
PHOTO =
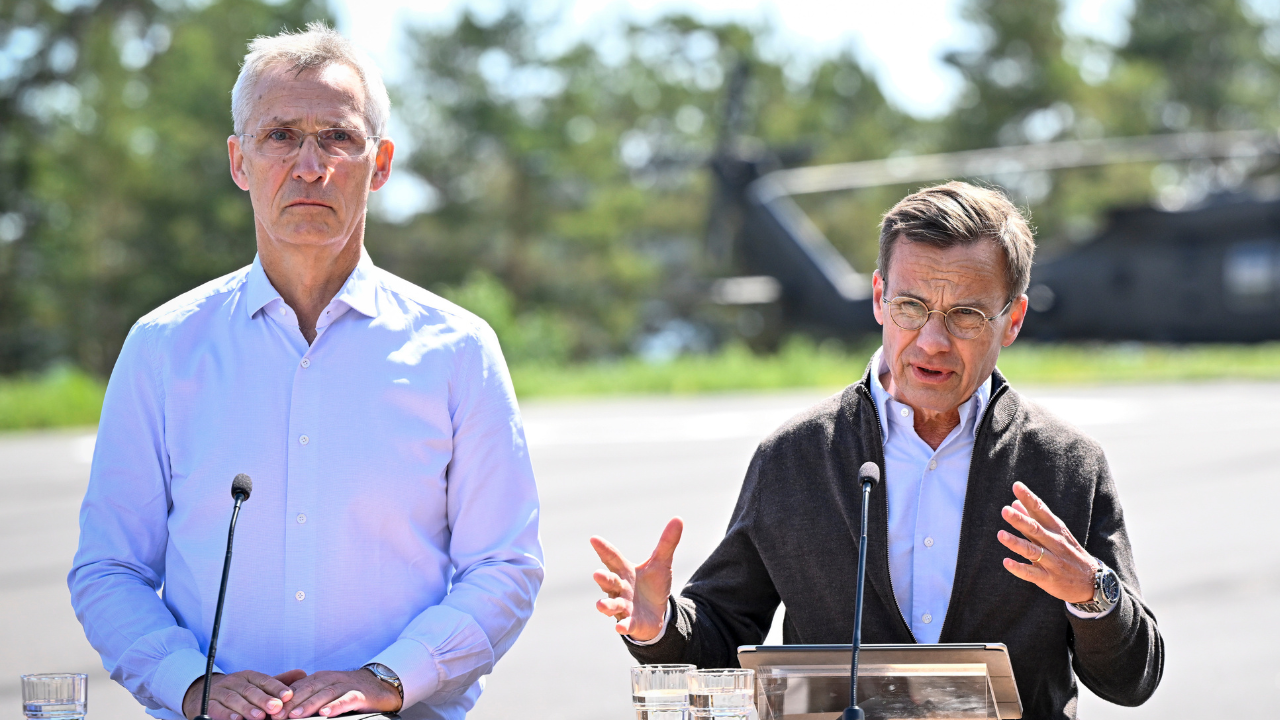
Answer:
(905, 412)
(926, 619)
(304, 439)
(302, 517)
(306, 362)
(928, 542)
(303, 596)
(933, 464)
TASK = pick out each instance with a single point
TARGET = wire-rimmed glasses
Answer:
(334, 142)
(965, 323)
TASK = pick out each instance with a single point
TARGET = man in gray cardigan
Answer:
(965, 459)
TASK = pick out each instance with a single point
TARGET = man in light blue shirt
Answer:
(390, 554)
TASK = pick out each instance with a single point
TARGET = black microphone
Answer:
(241, 486)
(868, 476)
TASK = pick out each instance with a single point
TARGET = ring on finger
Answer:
(1040, 556)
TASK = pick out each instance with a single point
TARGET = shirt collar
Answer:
(359, 292)
(970, 411)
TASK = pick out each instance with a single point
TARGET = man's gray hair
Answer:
(319, 46)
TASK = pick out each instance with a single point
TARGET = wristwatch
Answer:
(1106, 591)
(386, 675)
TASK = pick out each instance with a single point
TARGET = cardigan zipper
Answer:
(964, 506)
(875, 412)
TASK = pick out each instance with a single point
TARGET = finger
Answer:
(352, 700)
(608, 582)
(609, 555)
(287, 678)
(302, 690)
(235, 703)
(1025, 548)
(1025, 525)
(624, 626)
(218, 711)
(323, 696)
(616, 608)
(1035, 507)
(667, 543)
(263, 691)
(1030, 573)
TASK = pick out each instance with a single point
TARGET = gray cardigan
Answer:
(794, 533)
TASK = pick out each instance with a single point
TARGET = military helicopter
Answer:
(1206, 274)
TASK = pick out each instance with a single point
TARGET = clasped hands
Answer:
(249, 695)
(637, 594)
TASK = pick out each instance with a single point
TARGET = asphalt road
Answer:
(1196, 466)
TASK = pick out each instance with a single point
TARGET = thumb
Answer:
(667, 543)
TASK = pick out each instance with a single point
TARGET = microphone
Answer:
(241, 487)
(868, 476)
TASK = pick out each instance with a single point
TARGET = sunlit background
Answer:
(551, 172)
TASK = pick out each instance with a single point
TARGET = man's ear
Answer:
(877, 294)
(236, 154)
(382, 164)
(1017, 314)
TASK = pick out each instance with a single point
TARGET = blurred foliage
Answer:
(66, 397)
(113, 165)
(568, 201)
(62, 397)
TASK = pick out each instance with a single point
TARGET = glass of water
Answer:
(721, 694)
(55, 696)
(661, 692)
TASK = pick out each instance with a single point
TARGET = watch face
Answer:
(1110, 587)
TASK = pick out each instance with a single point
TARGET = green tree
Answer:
(114, 138)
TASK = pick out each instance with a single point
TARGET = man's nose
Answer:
(312, 163)
(934, 337)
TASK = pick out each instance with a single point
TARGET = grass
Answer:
(59, 398)
(68, 397)
(802, 364)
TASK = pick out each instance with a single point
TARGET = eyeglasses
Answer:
(334, 142)
(965, 323)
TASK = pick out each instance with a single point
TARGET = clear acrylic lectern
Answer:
(956, 691)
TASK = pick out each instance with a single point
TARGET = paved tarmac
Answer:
(1196, 465)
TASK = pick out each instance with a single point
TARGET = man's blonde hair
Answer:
(319, 46)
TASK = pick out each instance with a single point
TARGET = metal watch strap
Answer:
(386, 675)
(1096, 605)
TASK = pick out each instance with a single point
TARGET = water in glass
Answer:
(55, 696)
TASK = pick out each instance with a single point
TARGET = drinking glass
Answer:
(55, 696)
(661, 692)
(721, 694)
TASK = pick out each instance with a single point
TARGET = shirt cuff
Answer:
(449, 653)
(1088, 615)
(666, 617)
(174, 675)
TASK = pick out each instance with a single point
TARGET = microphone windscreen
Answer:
(869, 472)
(241, 485)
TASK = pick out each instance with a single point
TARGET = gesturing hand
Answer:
(637, 593)
(246, 694)
(330, 693)
(1059, 565)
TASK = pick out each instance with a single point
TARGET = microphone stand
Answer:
(867, 477)
(240, 493)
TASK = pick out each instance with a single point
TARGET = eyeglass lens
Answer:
(335, 142)
(963, 322)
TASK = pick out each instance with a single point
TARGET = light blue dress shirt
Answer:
(926, 490)
(394, 515)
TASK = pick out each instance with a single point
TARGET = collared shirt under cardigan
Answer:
(793, 539)
(394, 515)
(926, 490)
